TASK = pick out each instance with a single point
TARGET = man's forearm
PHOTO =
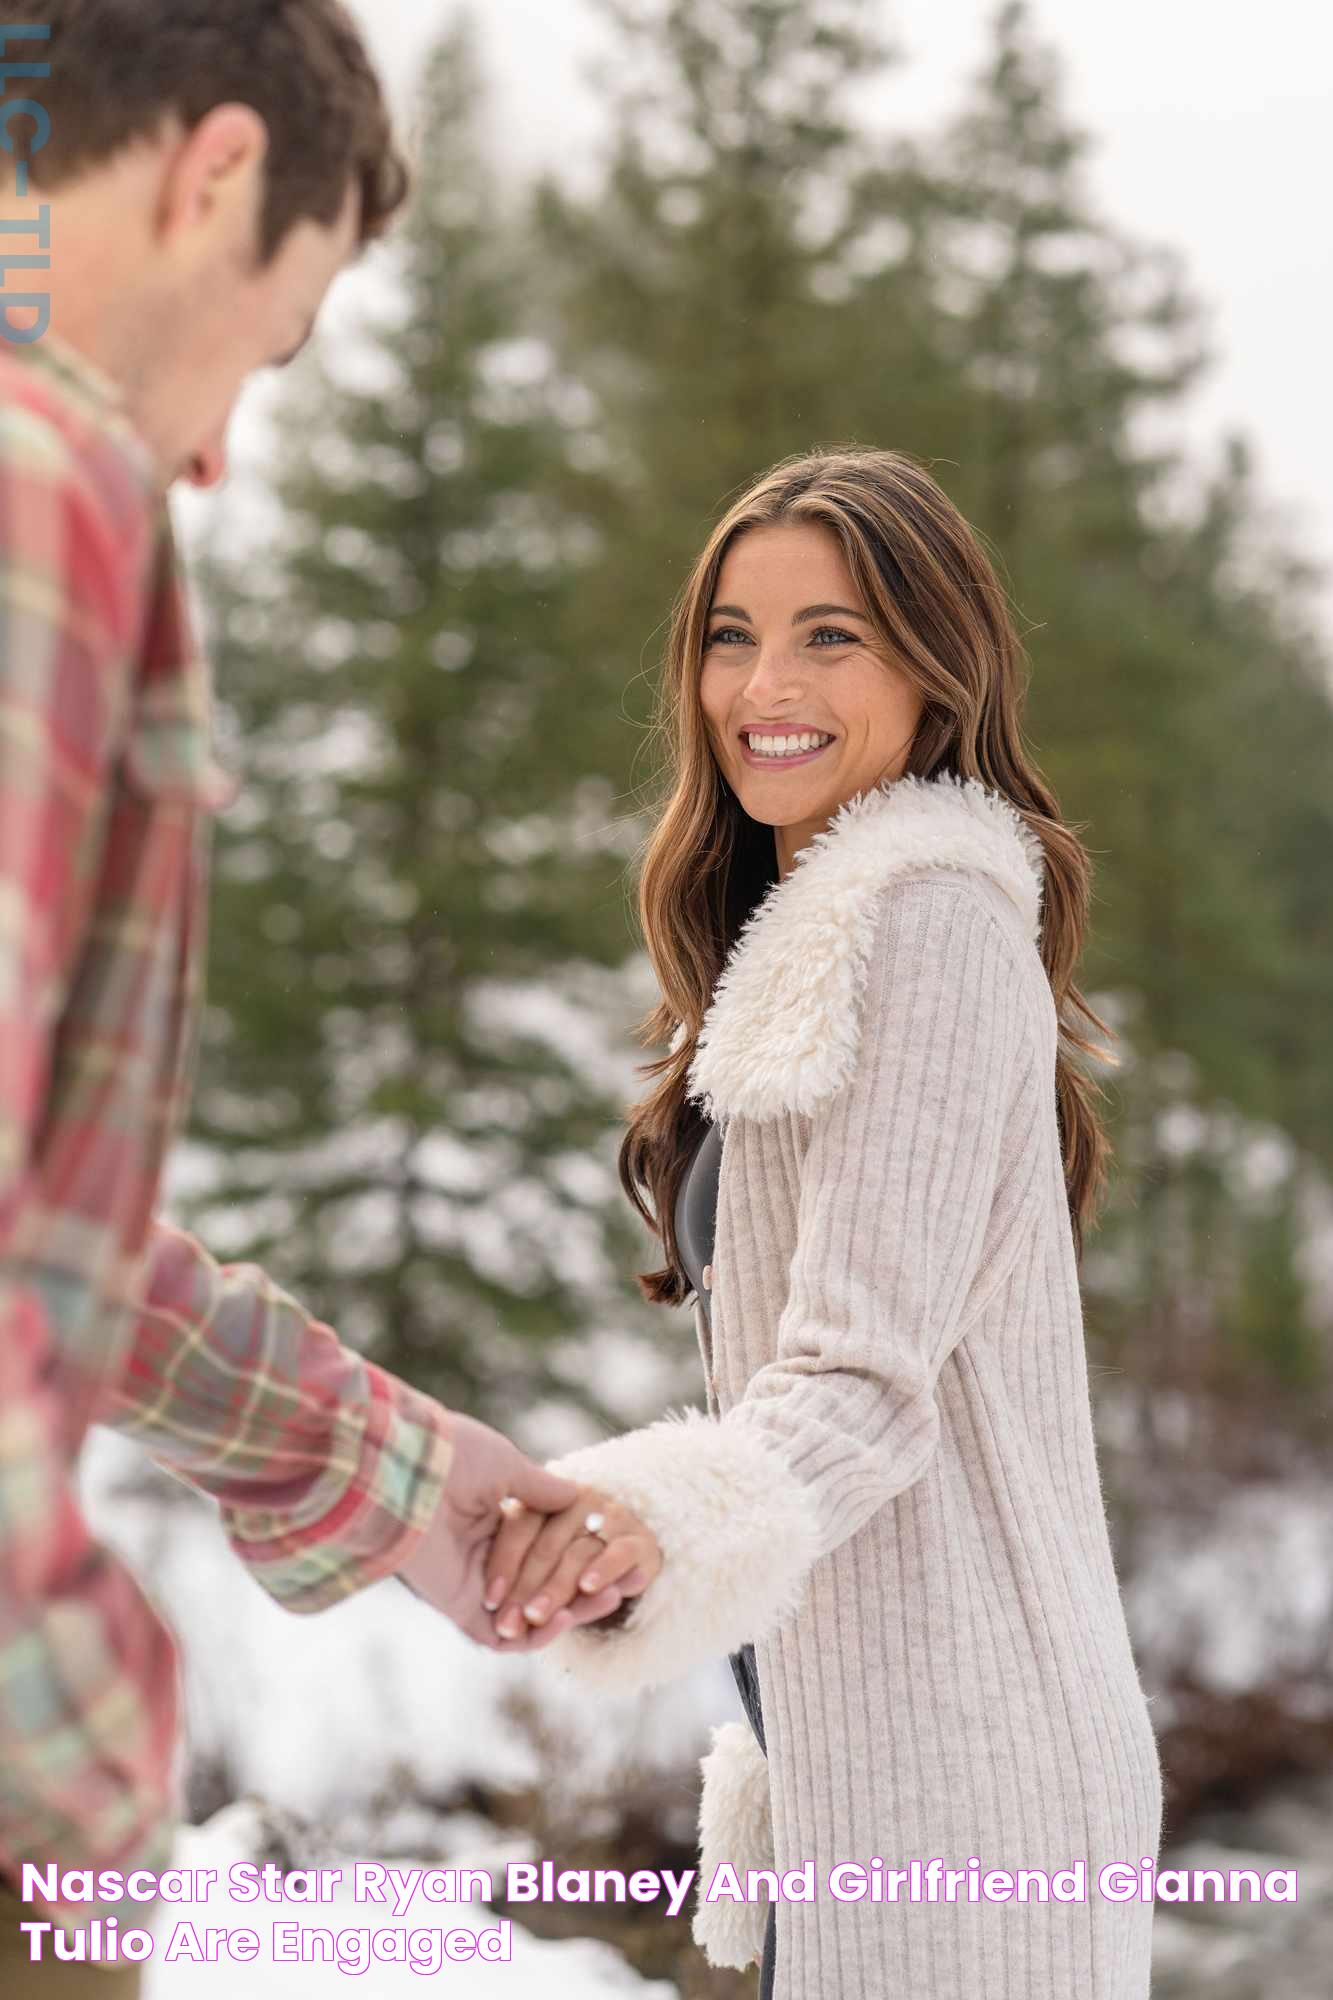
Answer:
(327, 1468)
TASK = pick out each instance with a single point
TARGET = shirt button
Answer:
(708, 1277)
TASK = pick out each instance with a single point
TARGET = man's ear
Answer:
(213, 180)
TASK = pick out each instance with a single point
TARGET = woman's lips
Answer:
(762, 763)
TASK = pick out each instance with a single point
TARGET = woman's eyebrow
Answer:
(798, 617)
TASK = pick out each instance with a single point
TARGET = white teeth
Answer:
(786, 746)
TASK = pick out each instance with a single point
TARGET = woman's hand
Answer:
(447, 1566)
(539, 1563)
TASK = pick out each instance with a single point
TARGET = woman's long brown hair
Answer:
(938, 607)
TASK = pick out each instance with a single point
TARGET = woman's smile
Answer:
(794, 672)
(768, 757)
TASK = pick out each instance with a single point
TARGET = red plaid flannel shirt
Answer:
(326, 1468)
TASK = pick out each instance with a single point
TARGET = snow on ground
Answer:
(323, 1722)
(1248, 1595)
(536, 1969)
(313, 1713)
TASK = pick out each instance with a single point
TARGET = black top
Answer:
(696, 1210)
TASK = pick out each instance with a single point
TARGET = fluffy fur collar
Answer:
(781, 1033)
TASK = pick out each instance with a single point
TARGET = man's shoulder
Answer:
(47, 438)
(77, 523)
(35, 428)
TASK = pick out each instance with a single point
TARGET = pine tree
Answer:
(699, 291)
(408, 1077)
(1174, 695)
(754, 277)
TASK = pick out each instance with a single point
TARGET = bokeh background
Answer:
(1074, 259)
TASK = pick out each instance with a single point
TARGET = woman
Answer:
(864, 912)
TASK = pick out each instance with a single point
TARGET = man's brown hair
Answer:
(119, 68)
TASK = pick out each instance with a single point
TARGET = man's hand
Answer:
(448, 1565)
(537, 1568)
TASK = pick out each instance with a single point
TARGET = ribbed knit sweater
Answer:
(894, 1493)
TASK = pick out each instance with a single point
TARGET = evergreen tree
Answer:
(408, 1077)
(1172, 701)
(480, 555)
(699, 291)
(751, 278)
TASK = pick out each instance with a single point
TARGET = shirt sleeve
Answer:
(327, 1469)
(88, 1696)
(911, 1189)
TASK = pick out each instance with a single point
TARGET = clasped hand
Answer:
(542, 1550)
(540, 1563)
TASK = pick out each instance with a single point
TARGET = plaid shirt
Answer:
(326, 1468)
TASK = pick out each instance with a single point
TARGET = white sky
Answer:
(1212, 134)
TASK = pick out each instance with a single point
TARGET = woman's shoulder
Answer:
(958, 929)
(788, 1029)
(955, 926)
(939, 901)
(914, 859)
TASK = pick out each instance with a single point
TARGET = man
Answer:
(183, 179)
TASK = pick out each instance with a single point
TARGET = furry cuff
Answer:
(736, 1827)
(738, 1533)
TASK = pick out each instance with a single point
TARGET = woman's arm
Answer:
(897, 1196)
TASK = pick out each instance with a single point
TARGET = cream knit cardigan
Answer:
(894, 1493)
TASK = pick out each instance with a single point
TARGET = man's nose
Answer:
(207, 465)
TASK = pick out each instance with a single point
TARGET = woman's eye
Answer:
(841, 637)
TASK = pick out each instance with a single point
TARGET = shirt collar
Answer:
(97, 396)
(178, 751)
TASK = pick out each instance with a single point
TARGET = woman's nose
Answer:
(773, 672)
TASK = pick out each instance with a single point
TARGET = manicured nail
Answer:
(510, 1625)
(495, 1595)
(590, 1582)
(537, 1610)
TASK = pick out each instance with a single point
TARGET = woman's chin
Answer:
(773, 802)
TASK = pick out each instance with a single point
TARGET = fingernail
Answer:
(495, 1595)
(537, 1610)
(590, 1582)
(510, 1625)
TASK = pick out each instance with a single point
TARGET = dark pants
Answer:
(747, 1680)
